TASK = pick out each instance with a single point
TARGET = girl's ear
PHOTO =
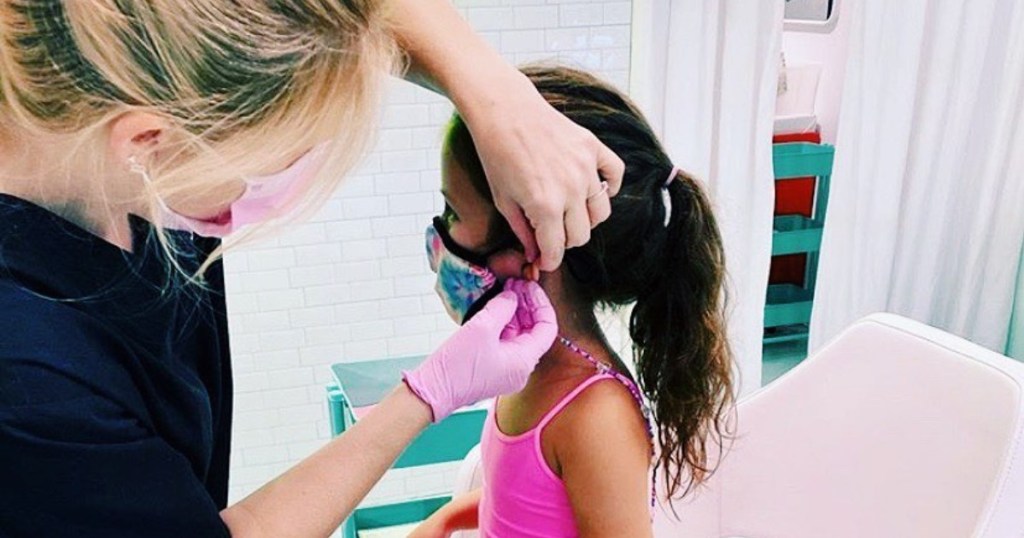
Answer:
(509, 263)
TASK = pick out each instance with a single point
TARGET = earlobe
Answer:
(531, 271)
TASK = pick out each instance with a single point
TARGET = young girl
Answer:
(570, 454)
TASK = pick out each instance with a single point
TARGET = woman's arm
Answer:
(486, 357)
(459, 514)
(541, 166)
(443, 49)
(603, 451)
(312, 498)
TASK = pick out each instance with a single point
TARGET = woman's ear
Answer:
(136, 133)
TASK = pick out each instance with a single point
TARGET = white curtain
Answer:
(706, 74)
(926, 213)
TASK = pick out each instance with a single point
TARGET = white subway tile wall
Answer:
(353, 283)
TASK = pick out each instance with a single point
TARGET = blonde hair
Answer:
(242, 82)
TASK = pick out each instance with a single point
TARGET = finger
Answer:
(599, 208)
(514, 325)
(610, 167)
(536, 299)
(577, 225)
(535, 341)
(550, 239)
(511, 285)
(510, 331)
(521, 227)
(524, 314)
(498, 312)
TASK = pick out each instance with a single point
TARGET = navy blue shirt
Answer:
(115, 383)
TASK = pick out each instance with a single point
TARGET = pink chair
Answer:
(893, 429)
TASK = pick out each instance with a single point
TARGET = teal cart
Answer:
(360, 385)
(789, 304)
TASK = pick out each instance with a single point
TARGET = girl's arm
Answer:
(602, 449)
(459, 514)
(541, 166)
(312, 498)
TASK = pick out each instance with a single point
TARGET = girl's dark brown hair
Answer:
(674, 274)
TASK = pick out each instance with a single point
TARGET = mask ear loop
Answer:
(455, 248)
(136, 167)
(480, 303)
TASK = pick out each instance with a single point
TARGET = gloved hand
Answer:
(492, 354)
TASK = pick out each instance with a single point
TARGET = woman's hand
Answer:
(492, 354)
(544, 170)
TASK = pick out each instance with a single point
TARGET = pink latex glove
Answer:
(492, 354)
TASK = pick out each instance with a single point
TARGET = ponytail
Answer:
(678, 330)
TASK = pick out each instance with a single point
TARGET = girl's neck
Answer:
(577, 323)
(585, 333)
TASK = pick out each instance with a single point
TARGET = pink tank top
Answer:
(522, 497)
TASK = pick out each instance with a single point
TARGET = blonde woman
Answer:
(136, 133)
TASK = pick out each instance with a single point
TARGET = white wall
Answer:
(353, 283)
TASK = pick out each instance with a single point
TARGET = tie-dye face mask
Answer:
(464, 282)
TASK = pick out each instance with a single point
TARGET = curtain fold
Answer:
(706, 74)
(926, 212)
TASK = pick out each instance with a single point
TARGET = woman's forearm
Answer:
(447, 56)
(314, 497)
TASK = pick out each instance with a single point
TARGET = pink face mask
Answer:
(264, 197)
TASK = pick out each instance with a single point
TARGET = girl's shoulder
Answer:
(602, 415)
(602, 400)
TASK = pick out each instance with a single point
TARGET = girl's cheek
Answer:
(457, 233)
(468, 234)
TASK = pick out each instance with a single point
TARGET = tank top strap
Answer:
(606, 371)
(568, 398)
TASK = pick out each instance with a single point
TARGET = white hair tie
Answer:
(666, 199)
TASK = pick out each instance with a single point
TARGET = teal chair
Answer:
(789, 304)
(361, 384)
